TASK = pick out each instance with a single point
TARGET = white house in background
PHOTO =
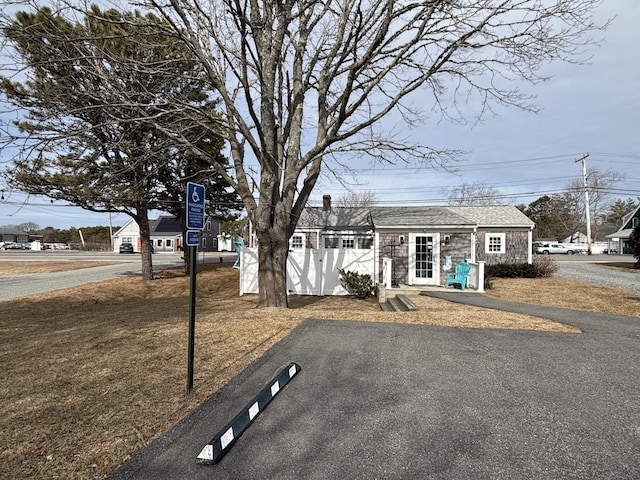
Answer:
(408, 245)
(128, 233)
(166, 235)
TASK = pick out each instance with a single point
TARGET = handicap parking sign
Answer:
(195, 206)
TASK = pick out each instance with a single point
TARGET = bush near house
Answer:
(542, 266)
(634, 243)
(545, 265)
(359, 285)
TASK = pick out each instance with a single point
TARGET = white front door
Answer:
(424, 259)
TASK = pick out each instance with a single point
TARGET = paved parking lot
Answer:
(392, 401)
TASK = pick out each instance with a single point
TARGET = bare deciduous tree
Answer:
(473, 194)
(599, 185)
(357, 199)
(303, 80)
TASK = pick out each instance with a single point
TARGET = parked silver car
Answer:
(547, 248)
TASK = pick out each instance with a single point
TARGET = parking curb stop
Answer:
(225, 438)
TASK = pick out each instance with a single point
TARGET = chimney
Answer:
(326, 202)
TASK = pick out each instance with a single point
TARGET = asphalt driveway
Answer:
(392, 401)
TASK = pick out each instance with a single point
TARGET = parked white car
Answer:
(548, 248)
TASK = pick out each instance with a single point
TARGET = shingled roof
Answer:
(349, 218)
(495, 216)
(418, 216)
(336, 218)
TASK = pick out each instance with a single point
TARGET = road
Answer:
(23, 285)
(19, 286)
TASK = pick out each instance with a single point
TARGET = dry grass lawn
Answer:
(92, 374)
(560, 292)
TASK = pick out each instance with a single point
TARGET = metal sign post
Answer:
(192, 320)
(195, 222)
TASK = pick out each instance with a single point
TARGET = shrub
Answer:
(511, 270)
(542, 266)
(360, 285)
(545, 265)
(634, 243)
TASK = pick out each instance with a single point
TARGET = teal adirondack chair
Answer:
(460, 275)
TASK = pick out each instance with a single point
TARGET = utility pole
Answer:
(583, 159)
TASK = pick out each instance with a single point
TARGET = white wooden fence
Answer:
(596, 247)
(315, 272)
(310, 271)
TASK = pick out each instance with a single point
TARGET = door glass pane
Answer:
(424, 257)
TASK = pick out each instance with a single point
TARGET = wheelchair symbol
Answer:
(195, 197)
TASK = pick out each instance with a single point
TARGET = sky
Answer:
(589, 109)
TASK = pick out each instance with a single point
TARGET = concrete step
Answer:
(408, 304)
(396, 305)
(386, 307)
(399, 303)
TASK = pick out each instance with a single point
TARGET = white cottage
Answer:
(412, 245)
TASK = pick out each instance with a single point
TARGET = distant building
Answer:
(11, 235)
(619, 241)
(166, 235)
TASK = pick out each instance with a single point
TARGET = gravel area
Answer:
(593, 273)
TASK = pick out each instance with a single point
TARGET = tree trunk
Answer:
(145, 244)
(273, 250)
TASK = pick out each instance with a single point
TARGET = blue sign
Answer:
(195, 206)
(193, 238)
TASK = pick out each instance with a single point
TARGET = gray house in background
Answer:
(166, 235)
(426, 242)
(11, 235)
(166, 231)
(619, 241)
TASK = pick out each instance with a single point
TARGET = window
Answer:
(330, 242)
(634, 222)
(297, 242)
(207, 227)
(203, 243)
(127, 240)
(495, 243)
(348, 243)
(167, 243)
(159, 242)
(365, 243)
